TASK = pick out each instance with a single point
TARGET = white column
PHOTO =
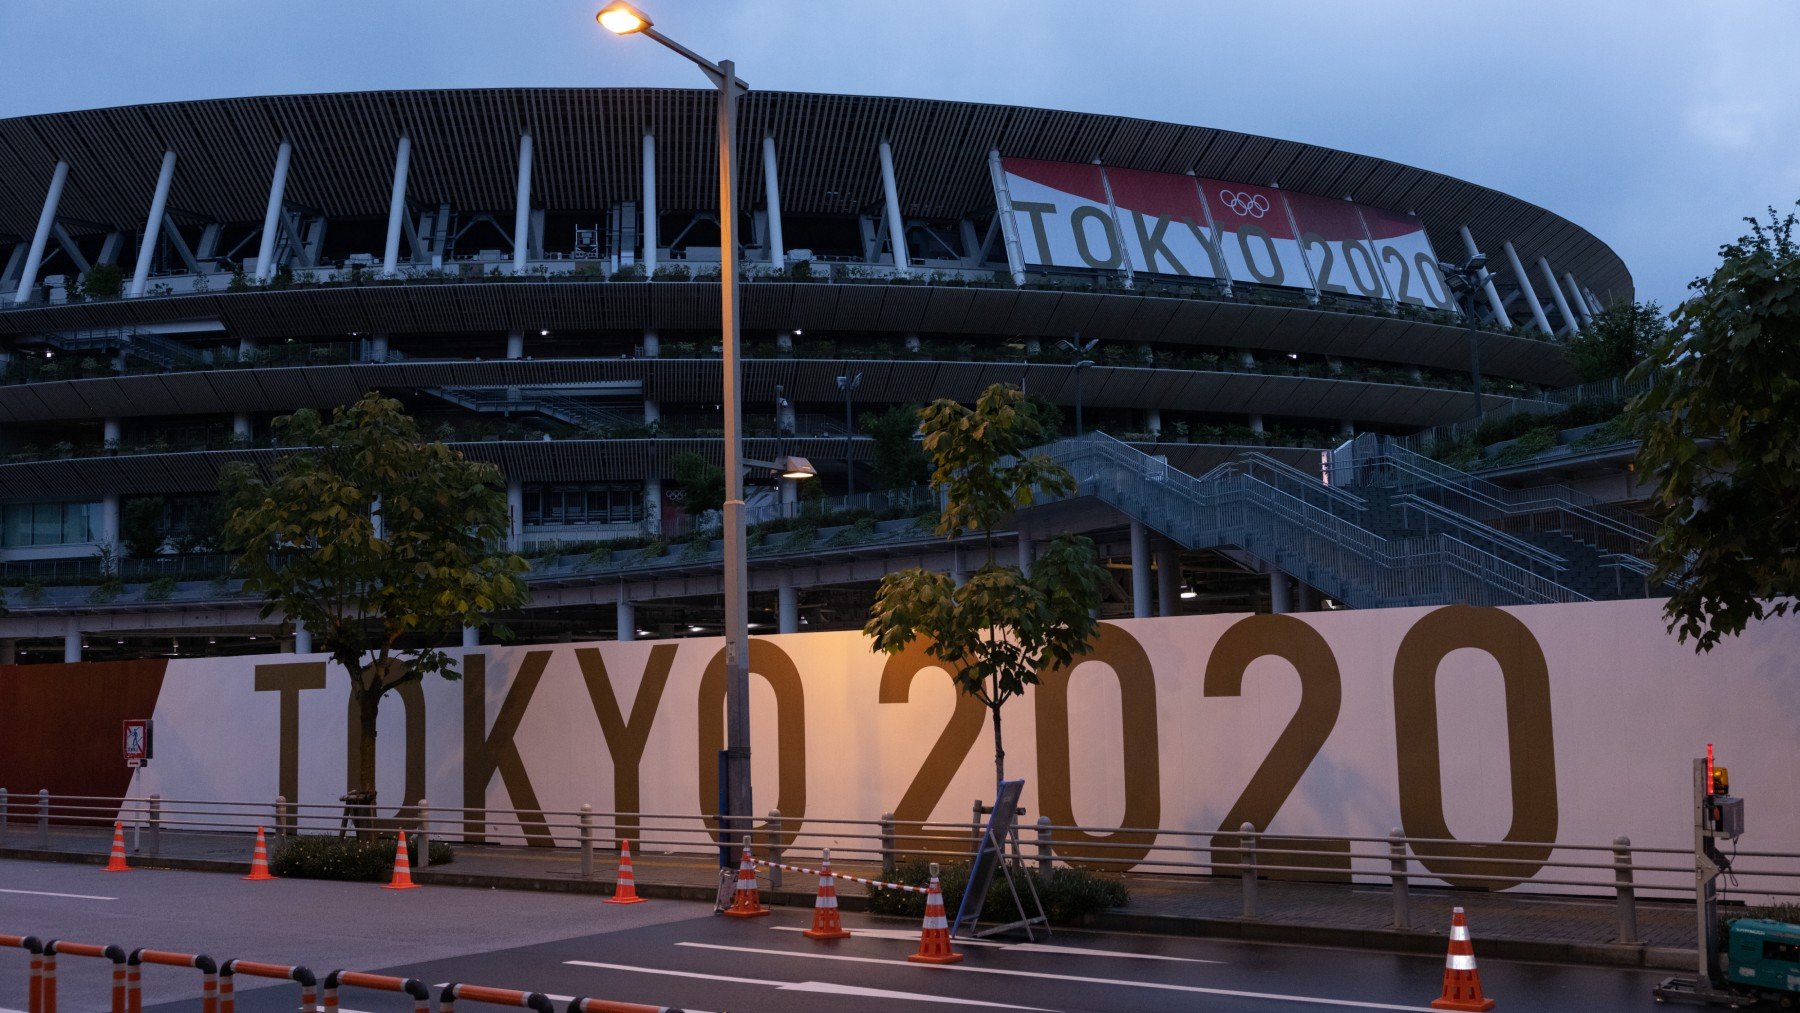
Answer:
(896, 224)
(109, 521)
(72, 641)
(1487, 283)
(1525, 289)
(246, 348)
(522, 212)
(1153, 421)
(1140, 571)
(1346, 427)
(515, 344)
(787, 606)
(1027, 554)
(790, 495)
(625, 616)
(265, 253)
(302, 637)
(390, 257)
(1309, 598)
(378, 348)
(652, 412)
(1580, 303)
(1009, 228)
(1281, 592)
(772, 198)
(653, 497)
(159, 203)
(1168, 580)
(652, 345)
(109, 432)
(515, 514)
(34, 258)
(648, 258)
(240, 425)
(1256, 423)
(1570, 323)
(471, 636)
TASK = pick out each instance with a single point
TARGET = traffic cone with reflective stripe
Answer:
(259, 860)
(1462, 982)
(116, 861)
(625, 890)
(745, 903)
(934, 937)
(826, 923)
(402, 869)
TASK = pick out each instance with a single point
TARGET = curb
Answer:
(1247, 930)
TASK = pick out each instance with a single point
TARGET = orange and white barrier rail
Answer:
(579, 1005)
(299, 975)
(35, 947)
(421, 995)
(208, 968)
(838, 875)
(493, 997)
(47, 1002)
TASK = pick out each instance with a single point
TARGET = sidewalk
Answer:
(1513, 926)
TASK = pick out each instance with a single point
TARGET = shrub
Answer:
(348, 858)
(103, 281)
(1068, 895)
(160, 589)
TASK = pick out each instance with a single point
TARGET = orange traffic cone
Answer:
(745, 903)
(402, 869)
(116, 861)
(259, 860)
(625, 890)
(1462, 982)
(934, 937)
(826, 923)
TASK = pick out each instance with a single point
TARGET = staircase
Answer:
(544, 401)
(154, 348)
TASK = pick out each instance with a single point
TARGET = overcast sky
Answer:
(1655, 124)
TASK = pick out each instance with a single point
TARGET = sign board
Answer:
(990, 851)
(138, 746)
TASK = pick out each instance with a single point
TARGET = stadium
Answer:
(1247, 342)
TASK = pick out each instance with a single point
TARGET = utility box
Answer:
(1728, 816)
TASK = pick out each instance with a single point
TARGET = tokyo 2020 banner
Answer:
(1557, 723)
(1076, 215)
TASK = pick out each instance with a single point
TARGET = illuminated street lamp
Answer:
(624, 19)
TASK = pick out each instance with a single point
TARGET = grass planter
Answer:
(347, 858)
(1068, 895)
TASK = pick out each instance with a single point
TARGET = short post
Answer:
(281, 827)
(1397, 878)
(975, 812)
(1045, 855)
(3, 813)
(887, 844)
(1247, 861)
(586, 830)
(773, 829)
(1628, 932)
(156, 825)
(43, 818)
(424, 834)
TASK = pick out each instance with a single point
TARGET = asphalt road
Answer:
(680, 954)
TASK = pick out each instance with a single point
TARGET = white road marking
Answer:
(1084, 979)
(824, 987)
(65, 896)
(912, 936)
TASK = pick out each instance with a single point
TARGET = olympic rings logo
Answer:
(1253, 205)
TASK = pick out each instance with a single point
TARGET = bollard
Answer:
(773, 829)
(208, 968)
(1397, 879)
(493, 997)
(1044, 845)
(43, 818)
(114, 954)
(298, 974)
(376, 982)
(34, 983)
(1628, 932)
(424, 834)
(3, 814)
(975, 812)
(1247, 859)
(587, 841)
(281, 827)
(887, 844)
(155, 825)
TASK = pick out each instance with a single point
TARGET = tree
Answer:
(142, 527)
(1619, 338)
(998, 630)
(900, 462)
(370, 535)
(699, 482)
(1721, 440)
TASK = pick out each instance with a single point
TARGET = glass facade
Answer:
(23, 524)
(584, 503)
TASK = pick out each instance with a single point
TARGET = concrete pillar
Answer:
(1168, 580)
(390, 256)
(522, 208)
(1027, 554)
(1487, 283)
(787, 606)
(648, 258)
(652, 412)
(72, 641)
(1309, 598)
(652, 345)
(271, 227)
(772, 199)
(1153, 421)
(109, 521)
(1525, 289)
(515, 514)
(302, 637)
(653, 497)
(896, 224)
(1578, 300)
(109, 433)
(1256, 423)
(784, 342)
(378, 348)
(1140, 571)
(471, 636)
(240, 426)
(246, 348)
(911, 342)
(515, 344)
(790, 496)
(159, 204)
(625, 616)
(1247, 359)
(1570, 324)
(1281, 596)
(1346, 428)
(34, 257)
(14, 260)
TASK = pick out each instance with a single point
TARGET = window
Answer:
(584, 503)
(23, 524)
(1787, 953)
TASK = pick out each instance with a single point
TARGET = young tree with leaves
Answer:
(998, 630)
(1721, 440)
(371, 535)
(1619, 338)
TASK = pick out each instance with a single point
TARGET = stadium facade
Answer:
(1236, 322)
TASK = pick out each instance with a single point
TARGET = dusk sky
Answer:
(1656, 125)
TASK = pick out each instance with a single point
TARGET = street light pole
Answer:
(1462, 279)
(1080, 348)
(623, 19)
